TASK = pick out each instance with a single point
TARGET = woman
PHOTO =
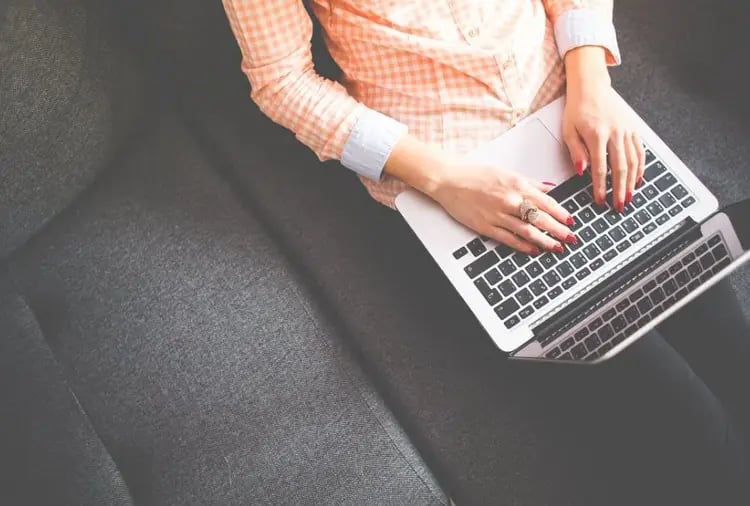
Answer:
(426, 81)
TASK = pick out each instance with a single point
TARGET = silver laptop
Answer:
(628, 272)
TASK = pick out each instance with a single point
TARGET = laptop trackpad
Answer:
(529, 149)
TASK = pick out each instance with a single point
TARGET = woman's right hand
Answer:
(487, 200)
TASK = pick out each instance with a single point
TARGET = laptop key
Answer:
(609, 255)
(688, 258)
(636, 295)
(682, 278)
(520, 278)
(534, 269)
(578, 260)
(707, 261)
(632, 314)
(701, 249)
(580, 334)
(524, 296)
(675, 268)
(714, 240)
(600, 225)
(553, 353)
(511, 322)
(587, 234)
(579, 351)
(644, 305)
(493, 276)
(604, 243)
(642, 217)
(540, 302)
(507, 308)
(679, 192)
(591, 251)
(551, 278)
(649, 156)
(583, 273)
(619, 323)
(636, 237)
(507, 268)
(476, 247)
(661, 220)
(596, 264)
(567, 344)
(460, 252)
(654, 208)
(629, 225)
(662, 277)
(612, 217)
(570, 206)
(617, 234)
(592, 342)
(595, 324)
(586, 214)
(667, 200)
(481, 264)
(526, 312)
(538, 287)
(507, 287)
(653, 171)
(565, 269)
(605, 333)
(555, 292)
(674, 211)
(569, 282)
(650, 192)
(623, 246)
(666, 181)
(582, 198)
(503, 251)
(657, 295)
(638, 200)
(694, 270)
(548, 260)
(649, 228)
(688, 202)
(489, 293)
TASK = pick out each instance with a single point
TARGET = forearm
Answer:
(586, 67)
(417, 164)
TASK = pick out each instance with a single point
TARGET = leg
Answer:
(713, 335)
(648, 422)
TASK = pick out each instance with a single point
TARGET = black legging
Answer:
(669, 418)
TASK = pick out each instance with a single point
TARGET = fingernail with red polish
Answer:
(557, 248)
(580, 167)
(571, 239)
(570, 220)
(620, 207)
(548, 183)
(639, 182)
(535, 251)
(628, 197)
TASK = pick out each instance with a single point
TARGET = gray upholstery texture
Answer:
(50, 452)
(198, 359)
(68, 100)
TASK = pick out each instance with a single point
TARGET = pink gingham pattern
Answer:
(457, 73)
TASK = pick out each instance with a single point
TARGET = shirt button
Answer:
(474, 32)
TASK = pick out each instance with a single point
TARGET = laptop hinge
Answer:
(688, 231)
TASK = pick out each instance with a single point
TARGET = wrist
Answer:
(424, 168)
(586, 68)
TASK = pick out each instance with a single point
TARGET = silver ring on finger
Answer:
(527, 211)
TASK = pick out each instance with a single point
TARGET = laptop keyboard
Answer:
(518, 285)
(644, 303)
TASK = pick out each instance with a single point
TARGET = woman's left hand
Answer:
(597, 126)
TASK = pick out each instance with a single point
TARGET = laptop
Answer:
(629, 271)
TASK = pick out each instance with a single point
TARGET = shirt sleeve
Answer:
(584, 23)
(274, 38)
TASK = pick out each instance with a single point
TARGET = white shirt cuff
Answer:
(586, 27)
(370, 143)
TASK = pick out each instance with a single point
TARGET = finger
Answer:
(529, 233)
(504, 236)
(619, 160)
(556, 229)
(542, 186)
(641, 152)
(633, 158)
(597, 146)
(549, 205)
(578, 152)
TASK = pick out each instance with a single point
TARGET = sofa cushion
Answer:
(68, 100)
(202, 363)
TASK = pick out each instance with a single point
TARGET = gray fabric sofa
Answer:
(193, 310)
